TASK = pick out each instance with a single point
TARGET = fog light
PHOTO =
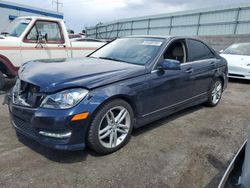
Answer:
(55, 135)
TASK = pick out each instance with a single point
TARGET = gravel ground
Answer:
(189, 149)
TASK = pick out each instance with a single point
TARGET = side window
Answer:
(33, 35)
(198, 51)
(51, 28)
(176, 51)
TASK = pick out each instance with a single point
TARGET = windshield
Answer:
(16, 28)
(130, 50)
(238, 49)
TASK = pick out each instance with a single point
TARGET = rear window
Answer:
(198, 51)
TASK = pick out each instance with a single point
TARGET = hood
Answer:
(9, 38)
(57, 74)
(240, 60)
(8, 41)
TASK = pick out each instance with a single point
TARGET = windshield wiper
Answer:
(112, 59)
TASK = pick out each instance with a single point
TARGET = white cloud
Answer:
(81, 13)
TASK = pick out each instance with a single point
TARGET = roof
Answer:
(163, 36)
(149, 36)
(30, 9)
(40, 17)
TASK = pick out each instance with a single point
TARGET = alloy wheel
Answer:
(216, 93)
(114, 127)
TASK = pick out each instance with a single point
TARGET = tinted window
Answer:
(198, 51)
(51, 28)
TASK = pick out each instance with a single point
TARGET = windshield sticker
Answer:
(25, 21)
(152, 43)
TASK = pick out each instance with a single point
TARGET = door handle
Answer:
(189, 70)
(212, 64)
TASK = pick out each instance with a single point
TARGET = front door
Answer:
(168, 89)
(51, 46)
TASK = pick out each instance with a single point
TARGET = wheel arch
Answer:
(222, 76)
(127, 99)
(222, 80)
(7, 67)
(123, 97)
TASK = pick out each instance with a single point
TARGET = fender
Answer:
(220, 73)
(11, 70)
(100, 96)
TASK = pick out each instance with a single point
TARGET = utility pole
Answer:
(57, 2)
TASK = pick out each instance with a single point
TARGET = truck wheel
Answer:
(2, 81)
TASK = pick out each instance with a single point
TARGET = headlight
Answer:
(64, 99)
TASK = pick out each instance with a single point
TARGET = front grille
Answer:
(26, 94)
(23, 126)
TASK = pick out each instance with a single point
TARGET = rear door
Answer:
(203, 63)
(53, 47)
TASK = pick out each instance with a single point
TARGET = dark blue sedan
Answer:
(96, 101)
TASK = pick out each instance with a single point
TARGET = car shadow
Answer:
(165, 120)
(59, 156)
(52, 154)
(80, 156)
(239, 81)
(220, 166)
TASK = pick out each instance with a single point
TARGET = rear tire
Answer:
(111, 127)
(2, 81)
(214, 93)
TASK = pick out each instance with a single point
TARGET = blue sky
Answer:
(81, 13)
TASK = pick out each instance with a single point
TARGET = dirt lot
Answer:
(189, 149)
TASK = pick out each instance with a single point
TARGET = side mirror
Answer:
(221, 51)
(170, 64)
(42, 37)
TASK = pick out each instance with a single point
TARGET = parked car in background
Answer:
(32, 38)
(238, 58)
(237, 174)
(97, 101)
(76, 36)
(86, 40)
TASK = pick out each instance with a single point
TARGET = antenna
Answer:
(57, 2)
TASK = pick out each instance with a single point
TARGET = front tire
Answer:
(111, 127)
(215, 92)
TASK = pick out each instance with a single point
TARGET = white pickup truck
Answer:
(32, 38)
